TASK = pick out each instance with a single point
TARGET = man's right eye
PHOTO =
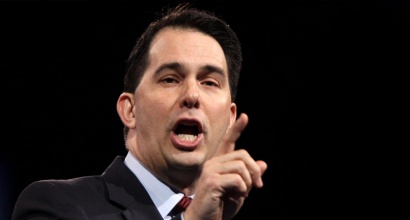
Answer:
(169, 80)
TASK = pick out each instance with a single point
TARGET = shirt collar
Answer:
(162, 195)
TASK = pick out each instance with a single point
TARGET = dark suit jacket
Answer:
(116, 194)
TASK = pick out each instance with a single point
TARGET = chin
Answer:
(189, 160)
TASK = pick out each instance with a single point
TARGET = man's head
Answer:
(184, 16)
(178, 98)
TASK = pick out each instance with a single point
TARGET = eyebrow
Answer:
(179, 67)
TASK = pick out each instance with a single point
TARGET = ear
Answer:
(233, 114)
(125, 105)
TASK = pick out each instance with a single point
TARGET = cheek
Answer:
(220, 109)
(151, 101)
(220, 119)
(152, 110)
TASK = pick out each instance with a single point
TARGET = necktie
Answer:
(181, 205)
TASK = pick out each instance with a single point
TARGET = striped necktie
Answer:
(181, 205)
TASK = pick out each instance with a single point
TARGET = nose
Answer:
(190, 98)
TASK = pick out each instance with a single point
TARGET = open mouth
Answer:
(187, 130)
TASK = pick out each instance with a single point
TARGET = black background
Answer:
(324, 84)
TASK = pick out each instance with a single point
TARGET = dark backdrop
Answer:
(323, 82)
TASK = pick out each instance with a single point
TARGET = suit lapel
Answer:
(125, 190)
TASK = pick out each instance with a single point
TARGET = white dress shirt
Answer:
(162, 195)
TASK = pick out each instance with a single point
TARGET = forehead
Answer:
(187, 46)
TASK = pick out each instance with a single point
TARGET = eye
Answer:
(210, 83)
(169, 80)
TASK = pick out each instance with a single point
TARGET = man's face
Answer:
(183, 104)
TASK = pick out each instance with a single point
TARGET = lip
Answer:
(187, 145)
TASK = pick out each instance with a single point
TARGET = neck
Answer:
(182, 180)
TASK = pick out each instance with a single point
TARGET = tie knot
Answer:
(181, 205)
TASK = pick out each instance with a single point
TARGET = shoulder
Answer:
(66, 187)
(59, 197)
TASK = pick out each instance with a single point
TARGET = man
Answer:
(180, 128)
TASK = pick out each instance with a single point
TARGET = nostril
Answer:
(191, 103)
(186, 104)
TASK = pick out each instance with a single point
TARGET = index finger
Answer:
(232, 135)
